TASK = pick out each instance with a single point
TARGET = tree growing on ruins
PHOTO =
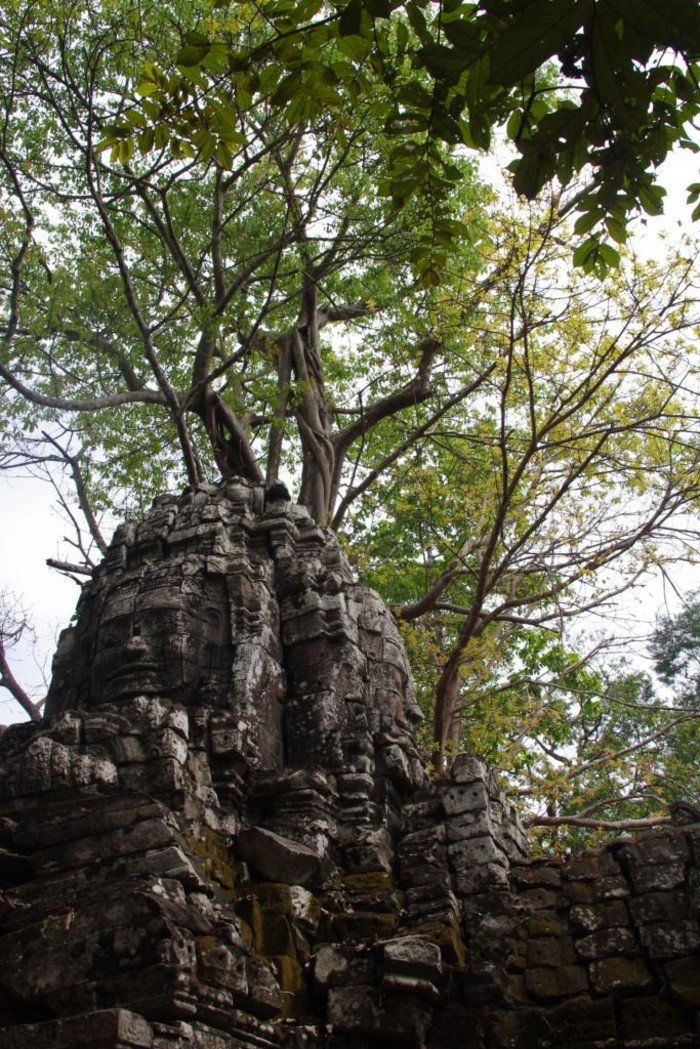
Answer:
(255, 248)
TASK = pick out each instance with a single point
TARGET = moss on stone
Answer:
(277, 936)
(448, 937)
(363, 926)
(250, 911)
(214, 858)
(291, 980)
(372, 883)
(274, 896)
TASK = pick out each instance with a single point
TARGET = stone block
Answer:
(550, 951)
(337, 966)
(474, 852)
(466, 768)
(612, 887)
(659, 907)
(369, 883)
(265, 997)
(579, 892)
(605, 942)
(537, 874)
(428, 878)
(278, 858)
(447, 934)
(414, 956)
(657, 848)
(416, 988)
(541, 899)
(683, 977)
(360, 927)
(609, 975)
(694, 887)
(465, 797)
(564, 982)
(219, 965)
(658, 877)
(671, 939)
(480, 879)
(589, 865)
(600, 916)
(545, 923)
(85, 817)
(470, 825)
(106, 1029)
(361, 1011)
(647, 1019)
(102, 848)
(579, 1023)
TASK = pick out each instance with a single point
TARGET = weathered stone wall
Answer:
(222, 835)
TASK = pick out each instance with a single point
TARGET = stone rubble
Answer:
(222, 835)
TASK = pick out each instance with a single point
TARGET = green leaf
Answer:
(617, 229)
(223, 155)
(516, 122)
(669, 23)
(196, 39)
(465, 35)
(609, 255)
(536, 33)
(585, 251)
(146, 140)
(378, 8)
(651, 199)
(531, 172)
(418, 23)
(588, 220)
(354, 47)
(192, 56)
(217, 58)
(350, 22)
(147, 88)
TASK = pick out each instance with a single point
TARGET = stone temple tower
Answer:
(223, 835)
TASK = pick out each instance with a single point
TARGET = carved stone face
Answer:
(162, 634)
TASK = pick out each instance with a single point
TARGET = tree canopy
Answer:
(605, 86)
(241, 240)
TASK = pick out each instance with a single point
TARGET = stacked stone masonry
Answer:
(223, 836)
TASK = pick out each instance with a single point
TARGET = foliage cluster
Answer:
(609, 86)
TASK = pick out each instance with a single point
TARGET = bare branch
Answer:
(594, 824)
(12, 626)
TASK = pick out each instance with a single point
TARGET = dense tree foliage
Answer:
(210, 270)
(600, 748)
(609, 86)
(676, 652)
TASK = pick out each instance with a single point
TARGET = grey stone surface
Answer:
(223, 836)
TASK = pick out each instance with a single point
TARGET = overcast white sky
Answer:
(31, 529)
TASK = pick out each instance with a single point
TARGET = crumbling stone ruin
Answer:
(223, 836)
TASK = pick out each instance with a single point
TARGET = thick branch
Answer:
(419, 431)
(233, 453)
(90, 404)
(415, 391)
(68, 568)
(582, 821)
(10, 682)
(430, 600)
